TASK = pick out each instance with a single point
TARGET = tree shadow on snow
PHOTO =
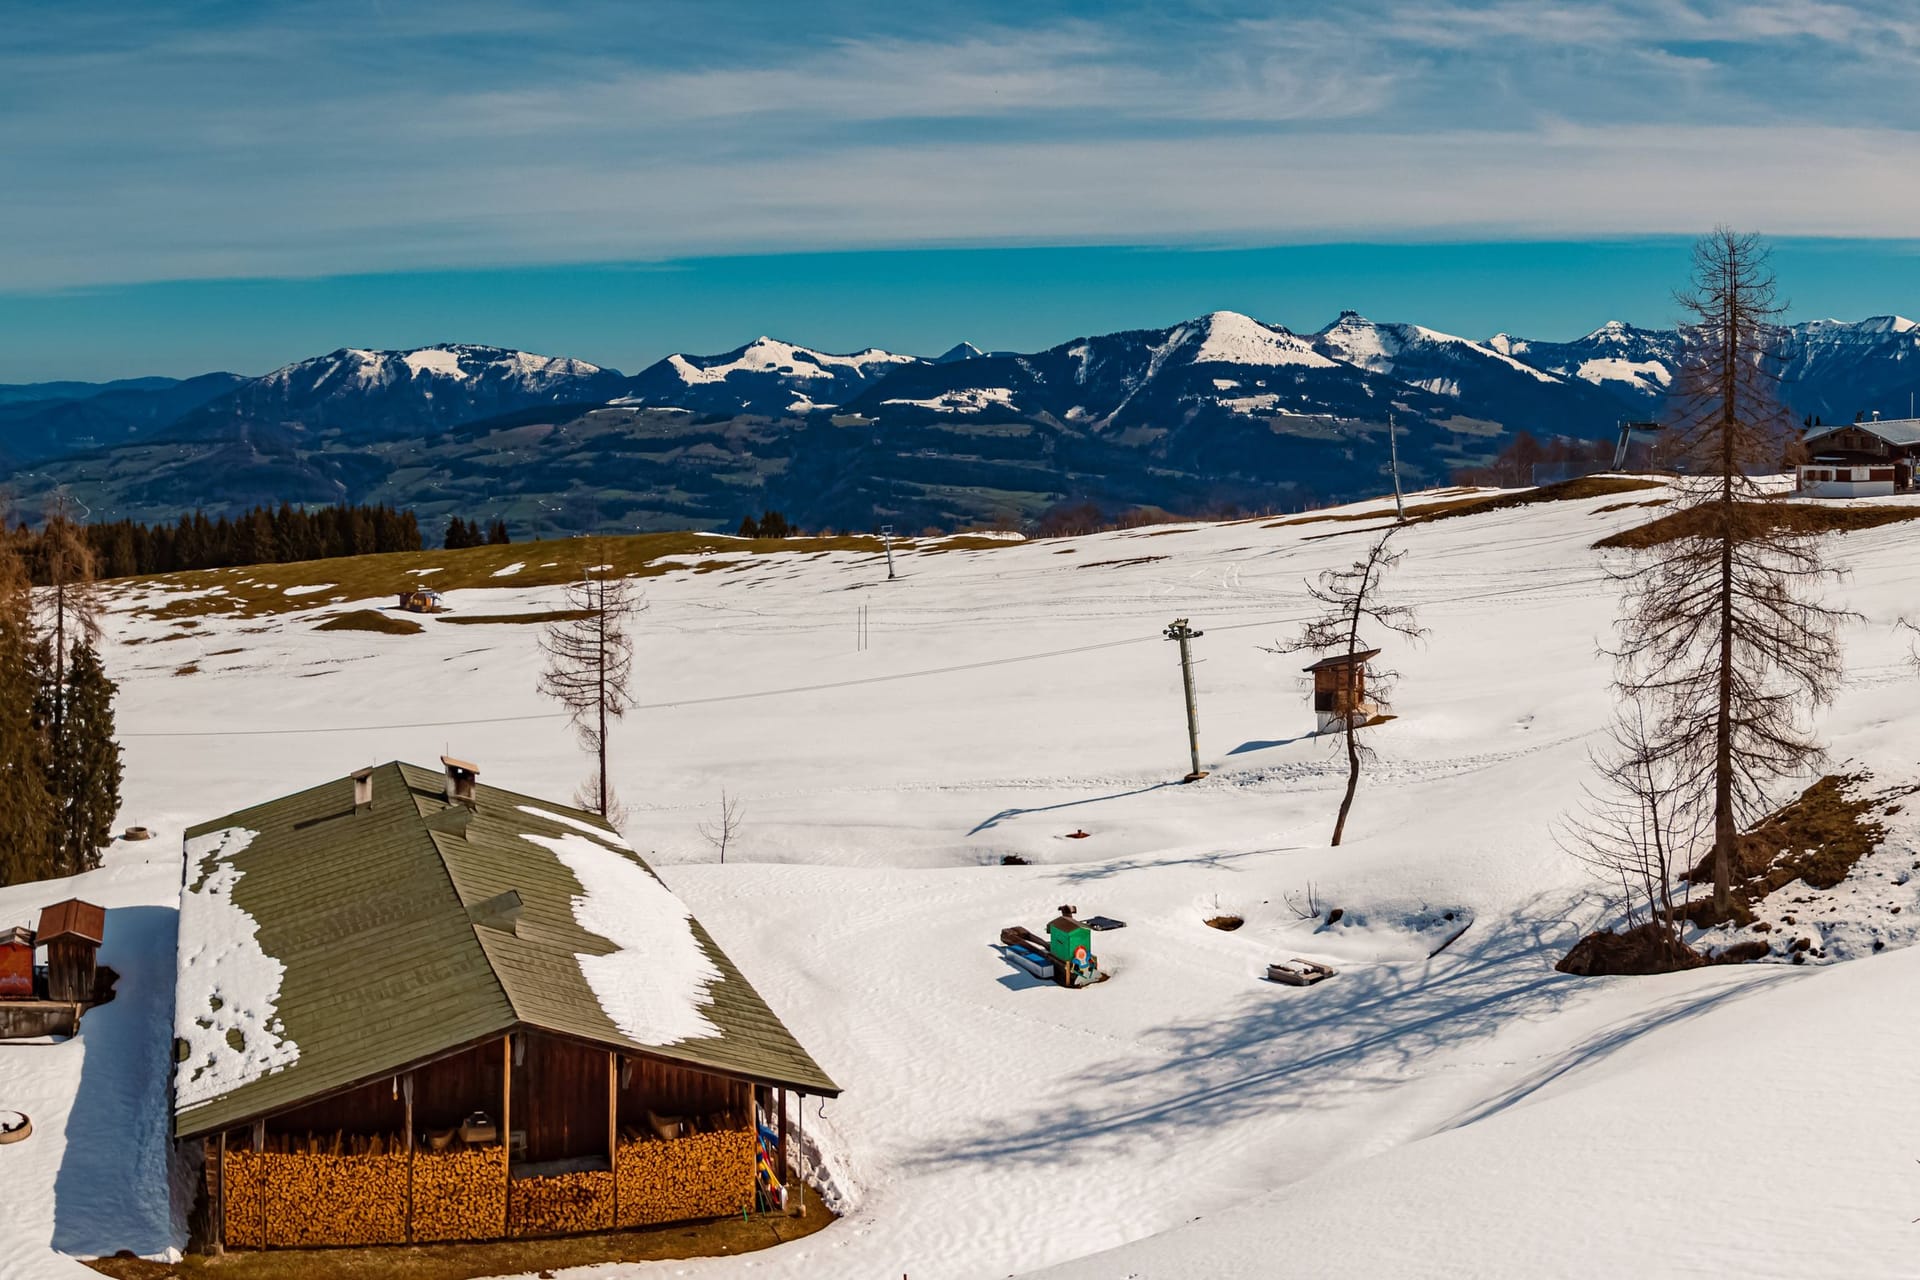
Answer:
(1280, 1050)
(1006, 814)
(1258, 744)
(1119, 866)
(113, 1189)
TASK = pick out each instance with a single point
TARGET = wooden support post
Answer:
(260, 1149)
(613, 1132)
(220, 1198)
(406, 1086)
(506, 1131)
(780, 1149)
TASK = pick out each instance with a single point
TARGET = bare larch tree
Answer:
(589, 665)
(726, 824)
(1722, 637)
(1641, 826)
(1350, 598)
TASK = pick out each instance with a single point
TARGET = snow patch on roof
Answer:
(655, 986)
(227, 987)
(613, 838)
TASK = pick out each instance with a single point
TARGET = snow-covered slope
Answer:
(765, 376)
(1466, 1113)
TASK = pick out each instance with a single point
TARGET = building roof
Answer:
(1343, 660)
(73, 918)
(1895, 431)
(321, 948)
(17, 936)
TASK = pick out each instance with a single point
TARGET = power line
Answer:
(827, 686)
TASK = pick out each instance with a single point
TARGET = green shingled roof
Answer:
(388, 963)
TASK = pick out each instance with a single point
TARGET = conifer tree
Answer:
(26, 811)
(83, 767)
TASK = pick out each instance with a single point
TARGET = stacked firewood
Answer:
(560, 1204)
(703, 1175)
(460, 1194)
(317, 1196)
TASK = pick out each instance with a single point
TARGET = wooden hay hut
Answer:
(16, 964)
(414, 1008)
(72, 932)
(1340, 690)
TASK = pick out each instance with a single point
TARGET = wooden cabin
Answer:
(72, 932)
(462, 1014)
(16, 964)
(1870, 459)
(1340, 690)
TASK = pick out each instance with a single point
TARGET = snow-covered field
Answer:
(1466, 1114)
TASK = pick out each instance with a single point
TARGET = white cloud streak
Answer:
(310, 141)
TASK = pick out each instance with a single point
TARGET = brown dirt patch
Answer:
(1225, 924)
(1565, 491)
(1796, 517)
(548, 615)
(1818, 837)
(371, 620)
(1643, 949)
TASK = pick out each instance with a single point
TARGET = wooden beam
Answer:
(613, 1132)
(780, 1101)
(407, 1088)
(506, 1131)
(260, 1149)
(220, 1199)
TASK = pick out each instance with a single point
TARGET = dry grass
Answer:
(1565, 491)
(1818, 838)
(261, 590)
(545, 615)
(371, 620)
(721, 1237)
(1799, 517)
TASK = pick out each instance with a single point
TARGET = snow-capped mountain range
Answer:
(1223, 408)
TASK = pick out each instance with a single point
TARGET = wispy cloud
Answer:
(310, 139)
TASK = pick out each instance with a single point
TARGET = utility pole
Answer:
(886, 536)
(1183, 633)
(1393, 450)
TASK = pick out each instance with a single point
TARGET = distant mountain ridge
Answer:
(1220, 409)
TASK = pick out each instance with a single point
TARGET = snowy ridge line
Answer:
(802, 688)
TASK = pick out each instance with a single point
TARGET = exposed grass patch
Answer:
(371, 620)
(1565, 491)
(1797, 517)
(191, 668)
(1225, 924)
(1118, 564)
(548, 615)
(1818, 838)
(545, 564)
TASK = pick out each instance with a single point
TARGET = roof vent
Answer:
(501, 912)
(461, 777)
(362, 789)
(453, 820)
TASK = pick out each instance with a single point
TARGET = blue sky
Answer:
(234, 185)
